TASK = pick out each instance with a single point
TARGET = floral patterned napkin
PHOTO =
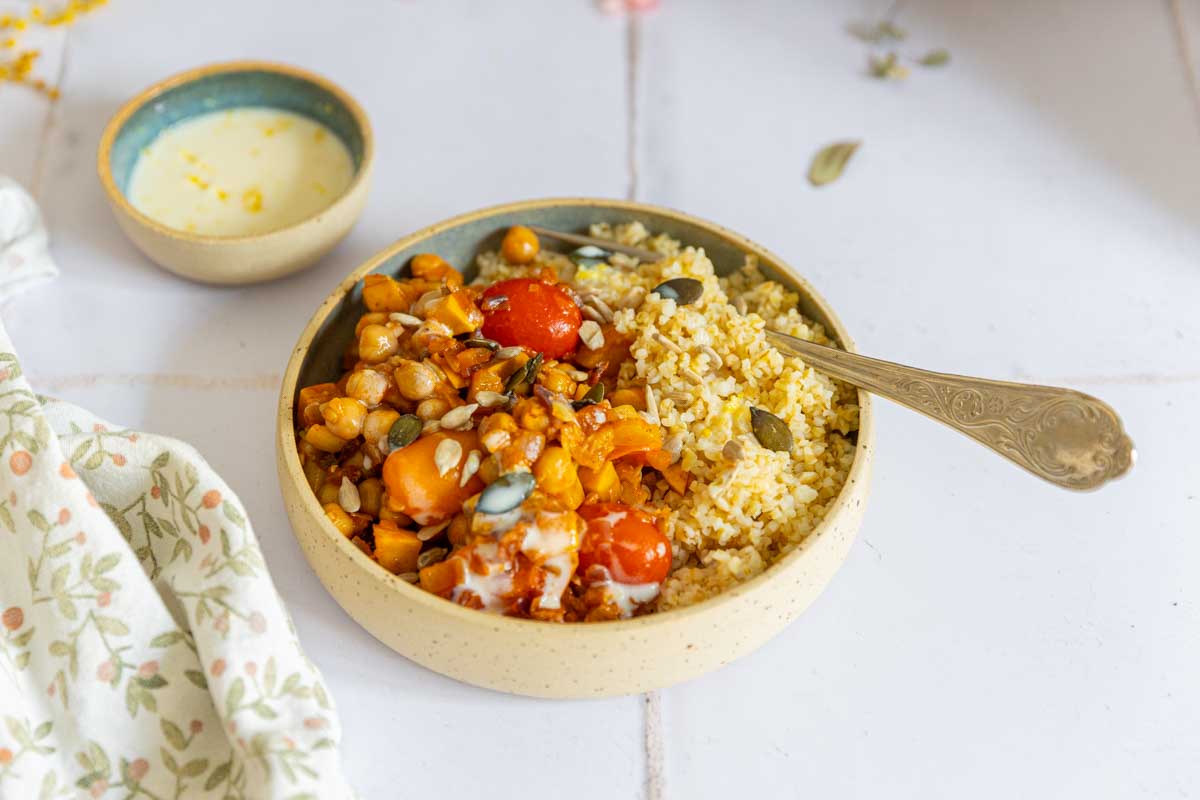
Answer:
(24, 246)
(144, 651)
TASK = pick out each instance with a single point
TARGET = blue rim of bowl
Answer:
(123, 115)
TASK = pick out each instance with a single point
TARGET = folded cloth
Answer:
(144, 651)
(24, 247)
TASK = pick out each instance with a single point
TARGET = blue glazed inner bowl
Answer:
(235, 85)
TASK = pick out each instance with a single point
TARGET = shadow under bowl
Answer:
(217, 87)
(538, 658)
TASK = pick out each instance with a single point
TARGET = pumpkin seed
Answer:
(683, 291)
(404, 431)
(524, 375)
(482, 341)
(588, 256)
(771, 432)
(505, 493)
(594, 395)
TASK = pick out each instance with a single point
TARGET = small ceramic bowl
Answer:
(235, 259)
(539, 658)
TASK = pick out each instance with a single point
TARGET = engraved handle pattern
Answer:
(1069, 438)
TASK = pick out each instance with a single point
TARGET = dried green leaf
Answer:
(887, 67)
(935, 58)
(876, 32)
(828, 163)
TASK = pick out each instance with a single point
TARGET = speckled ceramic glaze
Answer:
(235, 259)
(538, 658)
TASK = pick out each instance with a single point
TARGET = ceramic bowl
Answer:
(235, 259)
(539, 658)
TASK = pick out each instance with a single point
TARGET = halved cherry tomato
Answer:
(625, 541)
(537, 315)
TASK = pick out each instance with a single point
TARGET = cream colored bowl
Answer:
(235, 259)
(538, 658)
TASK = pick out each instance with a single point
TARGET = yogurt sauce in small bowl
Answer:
(237, 172)
(240, 172)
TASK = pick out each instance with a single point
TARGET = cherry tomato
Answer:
(416, 488)
(537, 315)
(626, 542)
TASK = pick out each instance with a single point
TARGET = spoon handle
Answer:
(1069, 438)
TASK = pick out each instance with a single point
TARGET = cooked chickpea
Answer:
(557, 381)
(344, 417)
(322, 438)
(433, 408)
(416, 381)
(554, 470)
(367, 385)
(340, 519)
(373, 318)
(520, 245)
(530, 413)
(370, 492)
(378, 423)
(328, 493)
(376, 343)
(496, 431)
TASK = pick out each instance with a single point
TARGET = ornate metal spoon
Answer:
(1069, 438)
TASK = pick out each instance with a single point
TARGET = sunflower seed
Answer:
(592, 314)
(432, 556)
(458, 419)
(665, 342)
(691, 375)
(713, 356)
(652, 405)
(474, 459)
(348, 497)
(482, 341)
(732, 451)
(404, 431)
(674, 446)
(407, 320)
(508, 352)
(602, 307)
(577, 375)
(634, 297)
(488, 399)
(683, 291)
(367, 463)
(505, 493)
(424, 301)
(592, 336)
(430, 531)
(679, 398)
(771, 432)
(431, 426)
(409, 577)
(447, 455)
(740, 304)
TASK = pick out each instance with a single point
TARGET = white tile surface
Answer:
(1029, 211)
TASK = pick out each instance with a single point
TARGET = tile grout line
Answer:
(652, 724)
(43, 147)
(1185, 54)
